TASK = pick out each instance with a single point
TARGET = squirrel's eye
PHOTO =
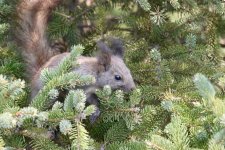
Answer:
(117, 77)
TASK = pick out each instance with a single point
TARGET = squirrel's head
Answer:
(112, 70)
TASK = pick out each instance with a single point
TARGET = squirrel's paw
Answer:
(94, 116)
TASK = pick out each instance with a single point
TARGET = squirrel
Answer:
(108, 67)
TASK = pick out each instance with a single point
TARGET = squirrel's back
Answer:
(87, 66)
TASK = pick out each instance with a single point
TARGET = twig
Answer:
(84, 12)
(63, 15)
(123, 29)
(32, 134)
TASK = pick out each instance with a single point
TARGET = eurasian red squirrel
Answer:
(108, 67)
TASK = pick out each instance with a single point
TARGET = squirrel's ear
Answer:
(104, 57)
(117, 47)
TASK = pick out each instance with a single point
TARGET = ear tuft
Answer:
(104, 57)
(117, 47)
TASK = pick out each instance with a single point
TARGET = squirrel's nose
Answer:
(129, 87)
(133, 88)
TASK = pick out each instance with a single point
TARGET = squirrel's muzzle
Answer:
(129, 87)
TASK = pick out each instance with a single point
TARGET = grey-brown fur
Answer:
(31, 36)
(107, 67)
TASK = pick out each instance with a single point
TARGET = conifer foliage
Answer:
(173, 49)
